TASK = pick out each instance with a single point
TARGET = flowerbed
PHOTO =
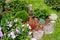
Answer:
(19, 21)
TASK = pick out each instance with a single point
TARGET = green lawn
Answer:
(40, 4)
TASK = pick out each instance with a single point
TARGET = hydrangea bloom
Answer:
(53, 16)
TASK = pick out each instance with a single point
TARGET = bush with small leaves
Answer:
(40, 13)
(22, 15)
(55, 4)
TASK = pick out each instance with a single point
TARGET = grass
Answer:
(40, 4)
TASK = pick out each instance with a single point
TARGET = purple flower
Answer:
(1, 34)
(17, 31)
(10, 24)
(12, 35)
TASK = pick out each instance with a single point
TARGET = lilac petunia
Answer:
(17, 31)
(13, 35)
(1, 34)
(10, 24)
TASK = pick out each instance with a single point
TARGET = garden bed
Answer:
(19, 21)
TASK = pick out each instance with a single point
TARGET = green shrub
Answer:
(22, 14)
(54, 3)
(40, 13)
(2, 4)
(17, 5)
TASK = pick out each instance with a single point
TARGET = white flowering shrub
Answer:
(12, 29)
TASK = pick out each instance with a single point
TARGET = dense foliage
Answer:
(22, 15)
(40, 13)
(12, 12)
(9, 26)
(54, 3)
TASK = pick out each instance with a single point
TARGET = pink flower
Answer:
(10, 24)
(12, 35)
(1, 34)
(17, 31)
